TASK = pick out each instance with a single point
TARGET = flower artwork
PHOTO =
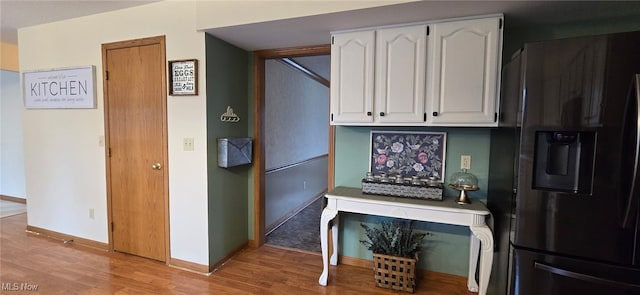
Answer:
(409, 154)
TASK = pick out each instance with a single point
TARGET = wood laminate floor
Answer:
(41, 265)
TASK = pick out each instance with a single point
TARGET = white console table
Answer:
(447, 211)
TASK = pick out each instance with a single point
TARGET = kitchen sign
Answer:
(183, 77)
(65, 88)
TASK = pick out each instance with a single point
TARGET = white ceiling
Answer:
(15, 14)
(314, 30)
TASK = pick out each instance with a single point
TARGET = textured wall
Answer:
(288, 190)
(296, 116)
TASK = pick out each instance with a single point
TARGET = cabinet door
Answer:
(464, 81)
(401, 55)
(352, 74)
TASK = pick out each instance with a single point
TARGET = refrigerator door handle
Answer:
(585, 277)
(631, 200)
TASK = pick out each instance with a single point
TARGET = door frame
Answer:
(259, 58)
(165, 151)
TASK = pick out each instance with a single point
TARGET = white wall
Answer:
(11, 145)
(65, 166)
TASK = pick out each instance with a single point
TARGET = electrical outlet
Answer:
(187, 144)
(92, 213)
(465, 162)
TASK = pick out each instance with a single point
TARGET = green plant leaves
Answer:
(395, 238)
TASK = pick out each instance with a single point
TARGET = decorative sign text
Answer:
(69, 88)
(184, 77)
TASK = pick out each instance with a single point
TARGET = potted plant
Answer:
(395, 248)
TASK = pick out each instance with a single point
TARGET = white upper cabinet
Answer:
(465, 58)
(352, 74)
(441, 74)
(378, 76)
(400, 75)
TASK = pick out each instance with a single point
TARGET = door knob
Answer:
(156, 166)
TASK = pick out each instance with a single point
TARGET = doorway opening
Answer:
(293, 144)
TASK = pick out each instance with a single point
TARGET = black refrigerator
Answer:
(573, 225)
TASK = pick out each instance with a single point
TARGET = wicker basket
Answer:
(397, 273)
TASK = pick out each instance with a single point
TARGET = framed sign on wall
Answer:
(62, 88)
(183, 77)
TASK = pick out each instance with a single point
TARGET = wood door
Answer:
(135, 112)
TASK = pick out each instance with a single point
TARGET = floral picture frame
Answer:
(408, 153)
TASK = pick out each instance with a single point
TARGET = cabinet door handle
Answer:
(369, 114)
(435, 114)
(381, 114)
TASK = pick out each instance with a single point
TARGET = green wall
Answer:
(230, 82)
(227, 85)
(446, 247)
(250, 121)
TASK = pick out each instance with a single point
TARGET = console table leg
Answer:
(474, 251)
(327, 215)
(483, 233)
(334, 237)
